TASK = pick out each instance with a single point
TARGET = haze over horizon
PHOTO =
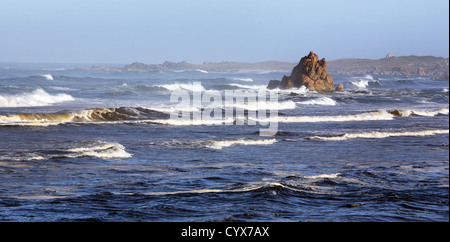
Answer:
(51, 31)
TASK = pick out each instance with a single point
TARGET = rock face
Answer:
(311, 73)
(339, 88)
(273, 84)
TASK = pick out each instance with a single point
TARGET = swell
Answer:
(97, 149)
(162, 116)
(36, 98)
(379, 135)
(84, 116)
(213, 144)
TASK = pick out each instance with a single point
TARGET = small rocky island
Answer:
(310, 72)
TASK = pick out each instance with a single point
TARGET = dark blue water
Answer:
(84, 145)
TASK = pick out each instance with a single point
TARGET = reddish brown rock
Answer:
(340, 88)
(311, 73)
(286, 83)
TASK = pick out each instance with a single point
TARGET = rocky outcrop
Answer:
(339, 88)
(287, 83)
(273, 84)
(311, 73)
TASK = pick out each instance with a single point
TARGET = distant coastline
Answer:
(436, 67)
(390, 65)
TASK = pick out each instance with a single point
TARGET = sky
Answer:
(122, 32)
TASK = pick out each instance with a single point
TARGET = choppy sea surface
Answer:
(81, 145)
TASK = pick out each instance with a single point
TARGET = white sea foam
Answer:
(227, 143)
(171, 109)
(253, 87)
(365, 82)
(101, 150)
(267, 105)
(430, 113)
(38, 97)
(326, 101)
(200, 70)
(48, 77)
(324, 176)
(189, 122)
(380, 135)
(179, 86)
(361, 83)
(422, 112)
(59, 88)
(244, 79)
(369, 116)
(301, 90)
(368, 77)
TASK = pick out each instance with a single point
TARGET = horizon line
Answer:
(137, 61)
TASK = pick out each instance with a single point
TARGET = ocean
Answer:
(82, 145)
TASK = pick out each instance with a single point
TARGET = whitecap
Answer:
(190, 122)
(48, 77)
(324, 176)
(253, 87)
(244, 79)
(422, 112)
(361, 84)
(101, 150)
(369, 116)
(38, 97)
(369, 77)
(200, 70)
(227, 143)
(379, 135)
(179, 86)
(284, 105)
(325, 101)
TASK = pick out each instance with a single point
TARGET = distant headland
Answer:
(389, 65)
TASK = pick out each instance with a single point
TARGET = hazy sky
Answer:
(109, 31)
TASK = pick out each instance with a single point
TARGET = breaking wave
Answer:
(325, 101)
(179, 86)
(191, 122)
(324, 176)
(428, 113)
(244, 79)
(48, 77)
(365, 82)
(162, 116)
(98, 115)
(369, 116)
(212, 144)
(36, 98)
(267, 105)
(380, 135)
(253, 87)
(98, 149)
(227, 143)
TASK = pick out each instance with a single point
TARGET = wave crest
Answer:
(227, 143)
(36, 98)
(324, 101)
(379, 135)
(428, 113)
(84, 116)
